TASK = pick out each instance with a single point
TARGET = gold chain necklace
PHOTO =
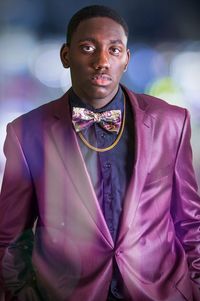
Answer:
(114, 143)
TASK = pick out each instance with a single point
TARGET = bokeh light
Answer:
(16, 47)
(185, 70)
(165, 88)
(146, 65)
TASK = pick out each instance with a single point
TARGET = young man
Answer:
(107, 174)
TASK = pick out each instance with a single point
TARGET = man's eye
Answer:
(116, 50)
(87, 48)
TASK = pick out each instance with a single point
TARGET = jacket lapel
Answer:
(68, 148)
(143, 123)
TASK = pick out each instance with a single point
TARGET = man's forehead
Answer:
(91, 27)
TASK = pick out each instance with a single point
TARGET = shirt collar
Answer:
(115, 104)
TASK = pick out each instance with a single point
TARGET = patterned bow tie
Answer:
(83, 118)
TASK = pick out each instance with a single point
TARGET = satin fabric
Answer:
(157, 249)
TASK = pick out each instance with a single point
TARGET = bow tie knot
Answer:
(83, 118)
(97, 117)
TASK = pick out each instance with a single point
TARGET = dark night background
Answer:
(150, 20)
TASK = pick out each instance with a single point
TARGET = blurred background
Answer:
(164, 43)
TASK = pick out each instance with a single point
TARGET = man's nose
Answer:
(101, 60)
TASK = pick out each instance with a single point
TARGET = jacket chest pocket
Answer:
(159, 174)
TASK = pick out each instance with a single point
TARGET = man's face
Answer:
(97, 57)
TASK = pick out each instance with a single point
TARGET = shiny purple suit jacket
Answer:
(158, 245)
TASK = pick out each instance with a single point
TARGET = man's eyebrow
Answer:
(93, 40)
(87, 40)
(118, 41)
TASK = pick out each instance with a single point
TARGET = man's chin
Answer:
(93, 93)
(101, 92)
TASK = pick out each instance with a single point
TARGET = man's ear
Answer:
(127, 59)
(64, 55)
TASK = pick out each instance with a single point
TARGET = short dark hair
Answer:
(91, 12)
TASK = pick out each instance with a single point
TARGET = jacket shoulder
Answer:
(164, 112)
(156, 107)
(161, 111)
(151, 104)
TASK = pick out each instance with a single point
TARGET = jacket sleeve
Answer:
(17, 215)
(185, 207)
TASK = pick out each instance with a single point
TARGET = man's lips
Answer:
(101, 79)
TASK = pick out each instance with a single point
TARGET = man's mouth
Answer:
(101, 79)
